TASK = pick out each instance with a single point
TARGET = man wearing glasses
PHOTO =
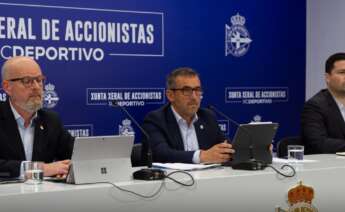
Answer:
(181, 131)
(28, 132)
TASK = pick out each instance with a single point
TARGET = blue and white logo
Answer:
(257, 118)
(126, 128)
(50, 96)
(237, 38)
(3, 95)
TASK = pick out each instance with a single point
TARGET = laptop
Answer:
(251, 143)
(101, 159)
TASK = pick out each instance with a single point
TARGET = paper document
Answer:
(184, 166)
(340, 153)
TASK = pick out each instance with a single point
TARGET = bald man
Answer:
(28, 132)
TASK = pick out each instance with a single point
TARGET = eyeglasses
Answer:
(29, 81)
(188, 91)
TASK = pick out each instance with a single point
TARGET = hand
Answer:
(59, 168)
(61, 176)
(219, 153)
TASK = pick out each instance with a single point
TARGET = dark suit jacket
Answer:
(323, 127)
(165, 136)
(51, 141)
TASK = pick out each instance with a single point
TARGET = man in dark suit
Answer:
(28, 132)
(322, 119)
(181, 131)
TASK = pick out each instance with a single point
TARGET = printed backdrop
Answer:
(250, 56)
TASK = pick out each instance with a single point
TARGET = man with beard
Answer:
(28, 132)
(181, 131)
(322, 119)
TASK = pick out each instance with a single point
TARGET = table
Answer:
(219, 189)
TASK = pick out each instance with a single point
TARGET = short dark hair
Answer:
(183, 71)
(332, 59)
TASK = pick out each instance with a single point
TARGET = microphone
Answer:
(148, 173)
(211, 107)
(114, 103)
(251, 164)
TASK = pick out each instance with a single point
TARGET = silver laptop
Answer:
(101, 159)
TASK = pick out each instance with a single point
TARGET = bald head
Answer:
(18, 66)
(22, 80)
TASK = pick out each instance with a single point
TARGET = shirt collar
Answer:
(179, 119)
(19, 119)
(340, 105)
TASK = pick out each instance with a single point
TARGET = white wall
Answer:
(325, 36)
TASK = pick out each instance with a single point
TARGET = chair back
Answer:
(283, 144)
(136, 156)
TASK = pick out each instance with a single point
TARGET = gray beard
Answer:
(32, 106)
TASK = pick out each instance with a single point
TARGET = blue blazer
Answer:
(51, 141)
(165, 137)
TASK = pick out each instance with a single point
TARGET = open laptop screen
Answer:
(102, 147)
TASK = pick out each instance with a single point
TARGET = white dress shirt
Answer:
(188, 133)
(341, 107)
(26, 135)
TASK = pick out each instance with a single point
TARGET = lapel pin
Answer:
(41, 127)
(201, 127)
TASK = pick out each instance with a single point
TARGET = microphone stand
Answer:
(145, 173)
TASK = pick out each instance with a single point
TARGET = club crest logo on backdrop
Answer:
(126, 128)
(237, 38)
(50, 98)
(257, 118)
(2, 95)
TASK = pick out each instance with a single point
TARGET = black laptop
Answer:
(6, 178)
